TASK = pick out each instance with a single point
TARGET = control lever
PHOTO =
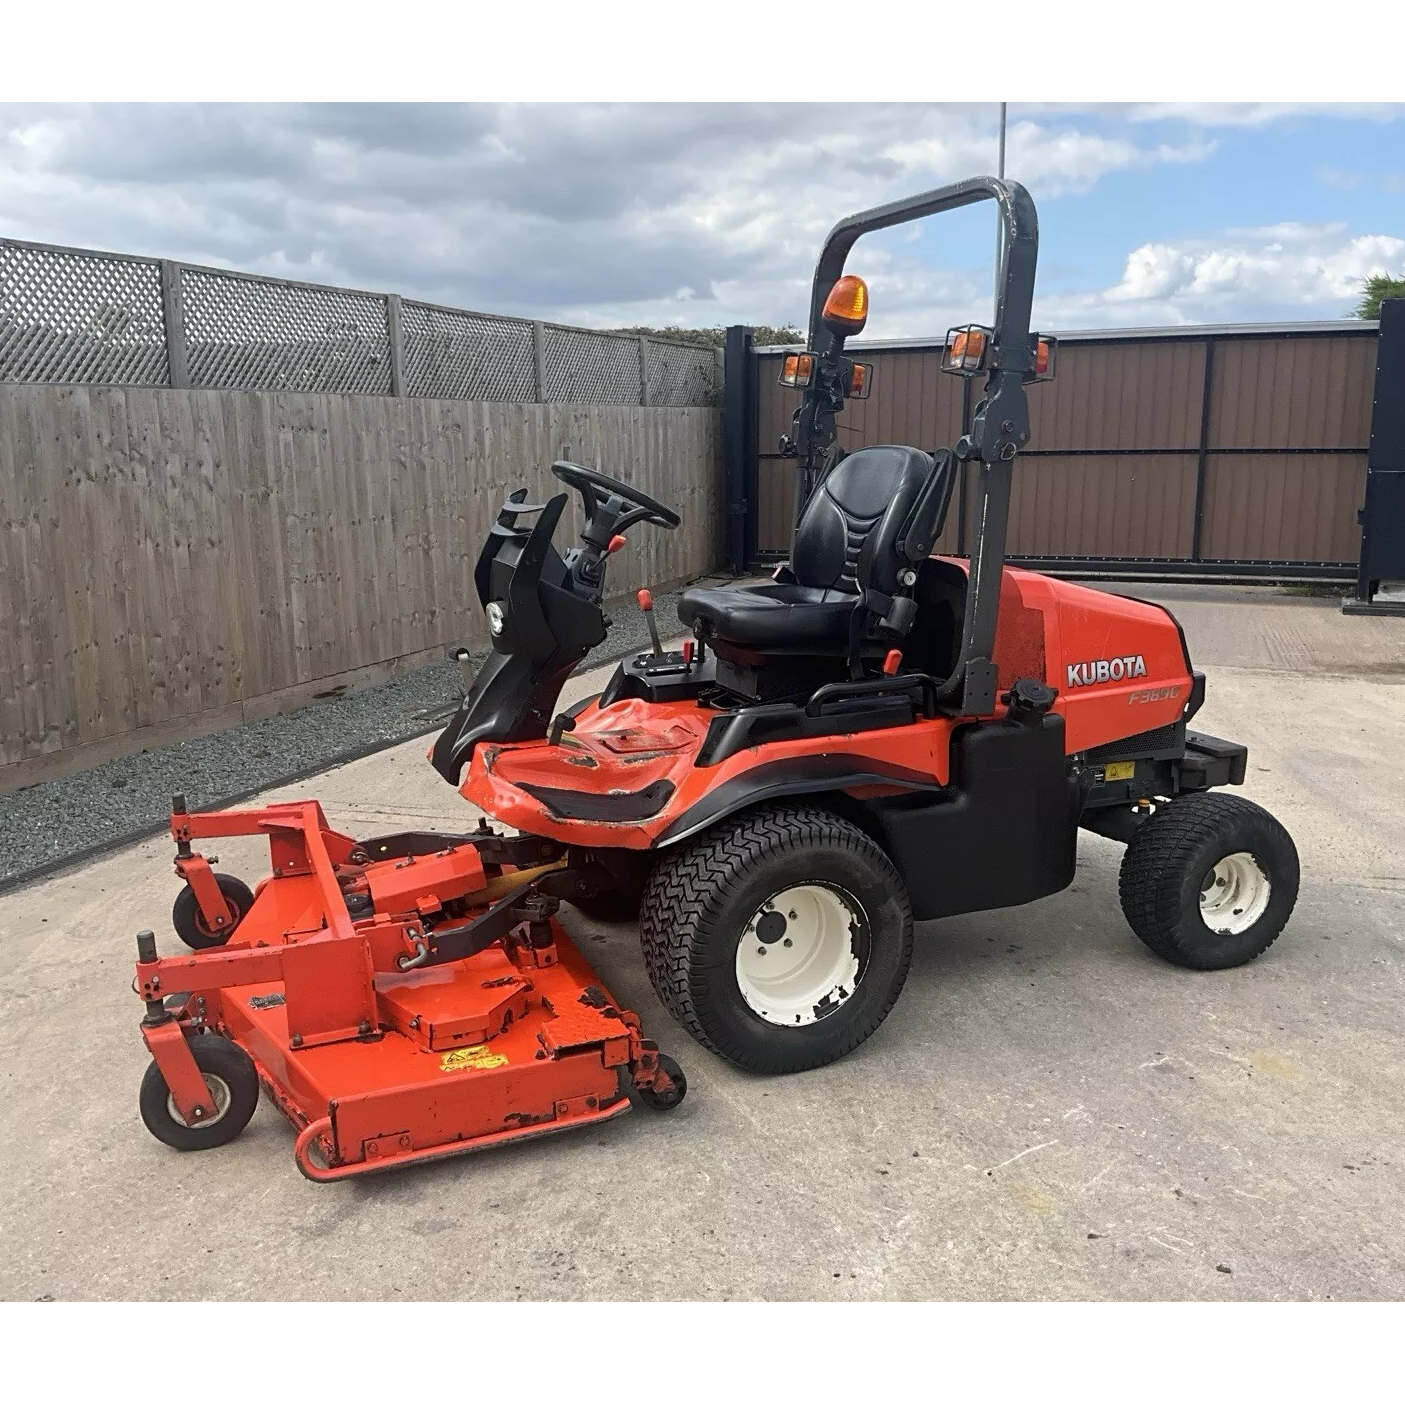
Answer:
(461, 657)
(646, 603)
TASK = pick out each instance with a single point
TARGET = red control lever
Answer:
(615, 544)
(892, 661)
(646, 603)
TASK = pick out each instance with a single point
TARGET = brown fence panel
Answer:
(1120, 396)
(1103, 505)
(1235, 450)
(1292, 393)
(1283, 507)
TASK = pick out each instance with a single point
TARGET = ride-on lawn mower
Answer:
(878, 735)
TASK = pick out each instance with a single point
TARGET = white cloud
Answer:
(1261, 114)
(611, 214)
(602, 213)
(1296, 271)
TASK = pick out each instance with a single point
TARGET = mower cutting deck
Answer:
(379, 1049)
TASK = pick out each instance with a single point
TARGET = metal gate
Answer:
(1220, 452)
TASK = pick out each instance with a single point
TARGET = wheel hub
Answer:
(802, 954)
(219, 1099)
(771, 927)
(1234, 895)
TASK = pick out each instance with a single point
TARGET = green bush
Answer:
(1375, 291)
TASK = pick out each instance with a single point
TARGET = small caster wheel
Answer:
(234, 1094)
(673, 1091)
(190, 923)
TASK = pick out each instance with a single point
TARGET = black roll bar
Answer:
(1001, 425)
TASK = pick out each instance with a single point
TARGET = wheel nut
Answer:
(761, 951)
(787, 942)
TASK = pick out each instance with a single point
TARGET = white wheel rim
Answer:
(802, 954)
(1234, 895)
(219, 1094)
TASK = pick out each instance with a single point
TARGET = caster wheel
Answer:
(667, 1098)
(234, 1092)
(190, 924)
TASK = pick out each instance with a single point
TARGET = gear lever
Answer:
(646, 603)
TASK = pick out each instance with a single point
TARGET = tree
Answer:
(1375, 290)
(715, 336)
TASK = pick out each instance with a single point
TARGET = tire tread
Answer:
(1158, 859)
(675, 904)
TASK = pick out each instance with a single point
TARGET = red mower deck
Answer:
(380, 1051)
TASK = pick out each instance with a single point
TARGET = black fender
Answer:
(799, 775)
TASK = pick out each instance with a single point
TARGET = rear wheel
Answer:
(1209, 881)
(780, 938)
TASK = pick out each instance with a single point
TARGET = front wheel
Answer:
(233, 1083)
(190, 924)
(780, 938)
(1209, 881)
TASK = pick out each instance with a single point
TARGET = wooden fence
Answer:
(173, 562)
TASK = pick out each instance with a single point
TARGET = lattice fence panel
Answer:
(254, 334)
(466, 355)
(681, 375)
(588, 368)
(77, 318)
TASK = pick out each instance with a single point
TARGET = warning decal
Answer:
(474, 1056)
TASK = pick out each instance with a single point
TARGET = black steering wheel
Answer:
(611, 506)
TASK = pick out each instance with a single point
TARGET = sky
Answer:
(710, 214)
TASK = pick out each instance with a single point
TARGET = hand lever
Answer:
(646, 603)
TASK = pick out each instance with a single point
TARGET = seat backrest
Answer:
(857, 512)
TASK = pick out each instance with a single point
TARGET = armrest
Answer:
(928, 516)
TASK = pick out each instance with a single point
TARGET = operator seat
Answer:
(847, 542)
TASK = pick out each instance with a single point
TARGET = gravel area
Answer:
(47, 824)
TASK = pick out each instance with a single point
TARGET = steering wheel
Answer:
(611, 506)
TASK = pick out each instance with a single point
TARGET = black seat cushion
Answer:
(773, 616)
(845, 539)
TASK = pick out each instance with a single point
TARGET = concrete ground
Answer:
(1049, 1112)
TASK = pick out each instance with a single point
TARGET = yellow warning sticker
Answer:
(474, 1056)
(1119, 770)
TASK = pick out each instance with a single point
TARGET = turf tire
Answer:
(186, 919)
(216, 1057)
